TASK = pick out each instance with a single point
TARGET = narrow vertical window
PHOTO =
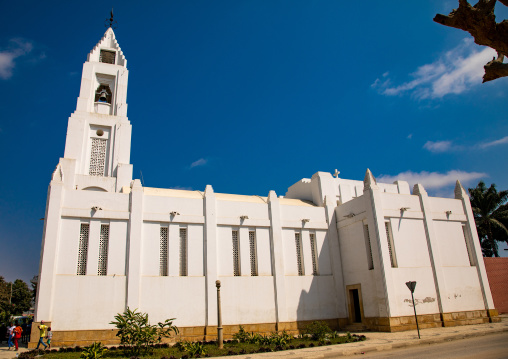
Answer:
(253, 255)
(236, 258)
(83, 248)
(103, 250)
(183, 251)
(98, 157)
(163, 269)
(313, 251)
(366, 234)
(299, 259)
(391, 249)
(468, 246)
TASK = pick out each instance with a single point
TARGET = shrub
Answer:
(242, 336)
(135, 330)
(280, 340)
(94, 351)
(196, 349)
(317, 330)
(193, 348)
(333, 335)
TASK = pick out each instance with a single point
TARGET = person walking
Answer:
(10, 334)
(42, 330)
(17, 335)
(49, 336)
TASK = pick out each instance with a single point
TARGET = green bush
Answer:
(317, 330)
(193, 348)
(135, 330)
(242, 336)
(93, 351)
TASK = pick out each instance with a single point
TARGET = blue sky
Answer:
(250, 96)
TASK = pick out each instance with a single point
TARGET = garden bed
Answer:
(206, 349)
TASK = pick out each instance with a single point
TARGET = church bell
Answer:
(103, 96)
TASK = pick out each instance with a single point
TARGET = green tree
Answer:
(5, 308)
(34, 282)
(491, 216)
(21, 297)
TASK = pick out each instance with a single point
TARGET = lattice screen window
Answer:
(299, 259)
(366, 234)
(107, 57)
(163, 268)
(183, 251)
(103, 250)
(253, 254)
(83, 248)
(468, 246)
(313, 251)
(236, 254)
(391, 249)
(98, 157)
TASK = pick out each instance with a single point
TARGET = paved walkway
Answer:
(376, 341)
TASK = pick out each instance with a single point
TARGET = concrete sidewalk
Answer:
(376, 341)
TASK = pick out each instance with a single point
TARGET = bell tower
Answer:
(97, 147)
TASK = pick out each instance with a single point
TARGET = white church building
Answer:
(329, 249)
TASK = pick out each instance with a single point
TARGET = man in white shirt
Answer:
(10, 330)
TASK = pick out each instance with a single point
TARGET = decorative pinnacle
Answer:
(111, 22)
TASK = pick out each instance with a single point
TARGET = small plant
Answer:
(317, 330)
(194, 349)
(135, 330)
(333, 335)
(94, 351)
(280, 339)
(348, 336)
(242, 336)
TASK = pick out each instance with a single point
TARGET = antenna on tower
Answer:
(111, 22)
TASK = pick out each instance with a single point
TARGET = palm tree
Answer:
(491, 216)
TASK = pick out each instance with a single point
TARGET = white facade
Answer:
(110, 243)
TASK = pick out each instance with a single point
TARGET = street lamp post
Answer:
(412, 286)
(220, 338)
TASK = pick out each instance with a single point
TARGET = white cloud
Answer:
(448, 146)
(200, 162)
(494, 143)
(433, 180)
(452, 73)
(8, 57)
(439, 146)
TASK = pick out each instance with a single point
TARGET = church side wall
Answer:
(90, 301)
